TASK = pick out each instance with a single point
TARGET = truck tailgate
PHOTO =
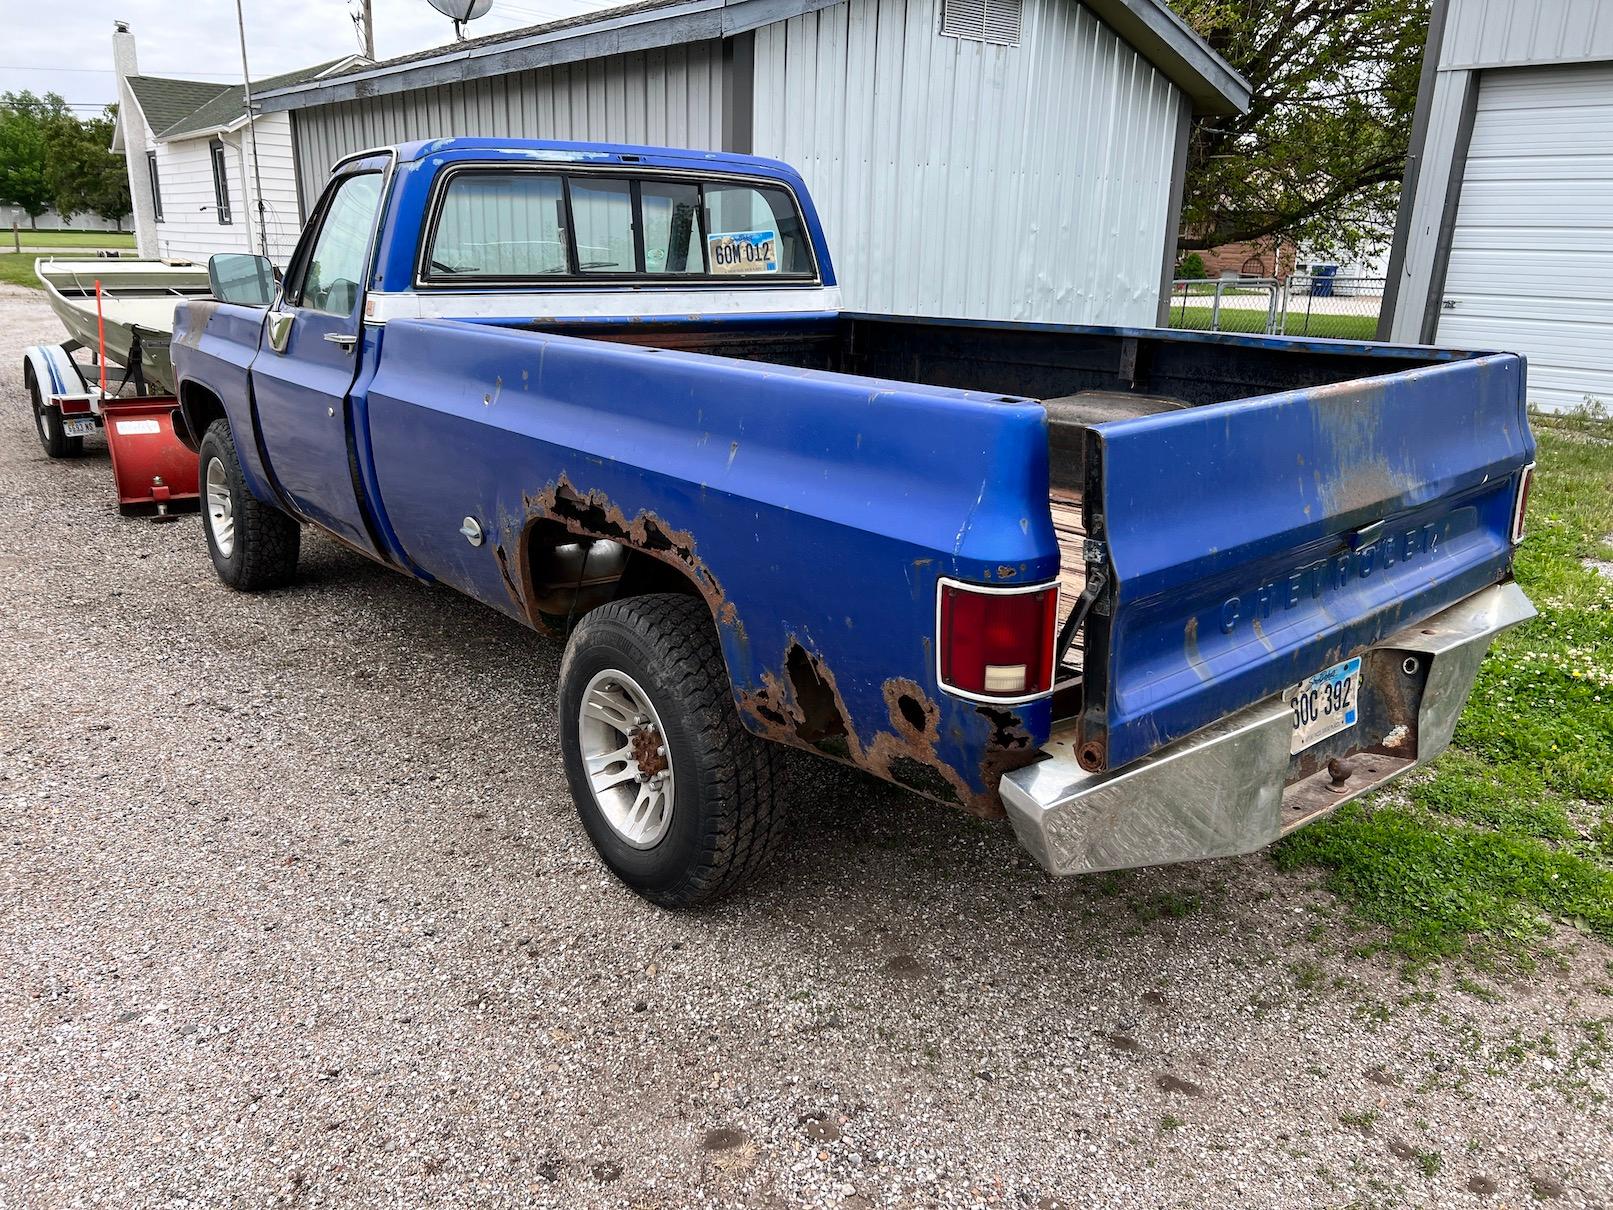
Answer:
(1247, 546)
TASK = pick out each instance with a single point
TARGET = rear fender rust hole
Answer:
(912, 711)
(820, 715)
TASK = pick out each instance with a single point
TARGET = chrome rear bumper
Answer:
(1226, 789)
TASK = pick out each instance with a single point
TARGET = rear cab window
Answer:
(545, 227)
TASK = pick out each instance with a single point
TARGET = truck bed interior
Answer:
(1083, 376)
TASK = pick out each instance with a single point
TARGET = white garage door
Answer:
(1531, 264)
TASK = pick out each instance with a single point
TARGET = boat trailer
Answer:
(156, 474)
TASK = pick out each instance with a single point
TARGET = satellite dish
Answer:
(461, 11)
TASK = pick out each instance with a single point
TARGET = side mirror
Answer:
(241, 277)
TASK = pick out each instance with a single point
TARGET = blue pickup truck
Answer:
(1152, 595)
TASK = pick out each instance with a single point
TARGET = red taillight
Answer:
(996, 643)
(1525, 482)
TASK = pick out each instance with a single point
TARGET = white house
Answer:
(193, 182)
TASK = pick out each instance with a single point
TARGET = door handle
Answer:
(341, 338)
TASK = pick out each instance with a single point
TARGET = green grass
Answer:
(1513, 829)
(1338, 327)
(18, 270)
(68, 239)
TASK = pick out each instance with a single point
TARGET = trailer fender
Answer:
(56, 373)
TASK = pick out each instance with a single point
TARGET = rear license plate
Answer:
(1325, 704)
(78, 428)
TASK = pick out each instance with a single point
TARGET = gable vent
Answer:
(982, 20)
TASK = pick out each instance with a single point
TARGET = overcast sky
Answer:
(196, 39)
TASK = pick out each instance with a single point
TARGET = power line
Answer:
(109, 71)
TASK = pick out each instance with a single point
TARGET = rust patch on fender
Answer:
(594, 515)
(806, 710)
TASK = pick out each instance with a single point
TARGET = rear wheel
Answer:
(254, 545)
(48, 421)
(679, 799)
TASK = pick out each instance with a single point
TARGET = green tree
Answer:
(83, 173)
(1320, 155)
(26, 122)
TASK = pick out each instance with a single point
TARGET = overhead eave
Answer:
(620, 33)
(1148, 25)
(1167, 41)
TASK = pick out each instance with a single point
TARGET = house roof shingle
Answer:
(176, 108)
(228, 105)
(165, 101)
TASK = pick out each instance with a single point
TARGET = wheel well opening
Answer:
(199, 407)
(566, 574)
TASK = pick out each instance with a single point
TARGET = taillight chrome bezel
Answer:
(945, 582)
(1520, 502)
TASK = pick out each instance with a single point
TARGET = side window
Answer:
(337, 263)
(753, 231)
(670, 214)
(221, 183)
(156, 185)
(499, 224)
(602, 210)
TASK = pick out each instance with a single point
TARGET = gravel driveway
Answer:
(294, 909)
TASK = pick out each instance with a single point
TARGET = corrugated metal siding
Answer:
(1499, 33)
(670, 97)
(1029, 182)
(1531, 261)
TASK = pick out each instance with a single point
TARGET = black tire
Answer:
(727, 785)
(263, 541)
(48, 424)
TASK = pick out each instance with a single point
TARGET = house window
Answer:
(221, 182)
(156, 188)
(982, 20)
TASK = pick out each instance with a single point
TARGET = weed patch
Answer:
(1513, 829)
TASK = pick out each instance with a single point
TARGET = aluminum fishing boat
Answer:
(136, 308)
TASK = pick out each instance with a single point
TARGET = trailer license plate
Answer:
(79, 428)
(1325, 704)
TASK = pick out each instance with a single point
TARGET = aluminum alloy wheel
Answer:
(220, 508)
(625, 754)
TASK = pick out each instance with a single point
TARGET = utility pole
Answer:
(364, 18)
(252, 132)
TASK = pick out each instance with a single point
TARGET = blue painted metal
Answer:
(1245, 539)
(302, 390)
(213, 347)
(766, 476)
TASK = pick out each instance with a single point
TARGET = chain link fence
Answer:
(1302, 304)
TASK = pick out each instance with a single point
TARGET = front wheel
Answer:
(679, 799)
(254, 545)
(48, 419)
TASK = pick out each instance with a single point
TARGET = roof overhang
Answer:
(616, 32)
(1148, 25)
(1185, 59)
